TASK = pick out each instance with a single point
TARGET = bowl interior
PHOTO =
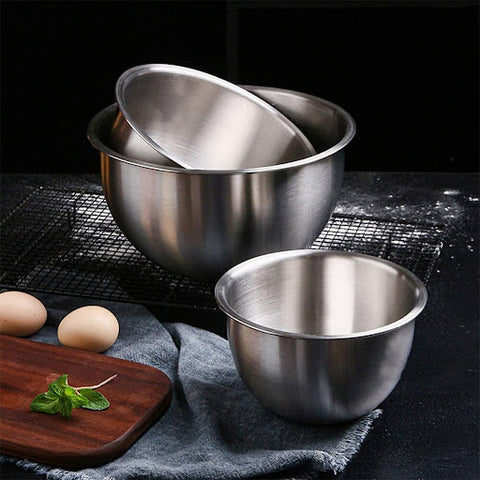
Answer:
(319, 293)
(324, 123)
(200, 121)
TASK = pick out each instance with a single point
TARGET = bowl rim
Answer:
(248, 265)
(163, 68)
(344, 141)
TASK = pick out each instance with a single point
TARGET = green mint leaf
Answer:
(65, 406)
(45, 403)
(95, 400)
(76, 399)
(59, 385)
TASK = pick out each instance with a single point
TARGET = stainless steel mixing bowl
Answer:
(200, 121)
(200, 223)
(320, 336)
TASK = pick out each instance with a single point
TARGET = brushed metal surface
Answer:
(124, 140)
(200, 223)
(200, 121)
(320, 336)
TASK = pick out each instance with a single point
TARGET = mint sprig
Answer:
(63, 398)
(95, 400)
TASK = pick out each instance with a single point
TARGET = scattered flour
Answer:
(451, 192)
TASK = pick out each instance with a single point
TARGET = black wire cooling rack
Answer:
(66, 242)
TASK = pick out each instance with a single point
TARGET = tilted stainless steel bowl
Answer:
(124, 140)
(198, 120)
(320, 336)
(200, 223)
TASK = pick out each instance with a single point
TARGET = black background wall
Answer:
(406, 71)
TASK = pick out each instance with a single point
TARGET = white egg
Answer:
(21, 314)
(91, 328)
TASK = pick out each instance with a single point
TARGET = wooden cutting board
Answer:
(138, 397)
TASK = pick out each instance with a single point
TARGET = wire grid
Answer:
(413, 245)
(66, 242)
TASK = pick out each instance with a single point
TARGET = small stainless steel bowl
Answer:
(320, 336)
(200, 223)
(200, 121)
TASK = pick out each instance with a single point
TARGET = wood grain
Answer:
(138, 397)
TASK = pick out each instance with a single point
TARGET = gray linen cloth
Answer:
(214, 428)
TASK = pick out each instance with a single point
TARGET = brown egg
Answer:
(21, 314)
(91, 328)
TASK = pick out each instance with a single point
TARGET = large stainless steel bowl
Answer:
(202, 121)
(320, 336)
(200, 223)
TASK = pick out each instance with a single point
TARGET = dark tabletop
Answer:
(430, 423)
